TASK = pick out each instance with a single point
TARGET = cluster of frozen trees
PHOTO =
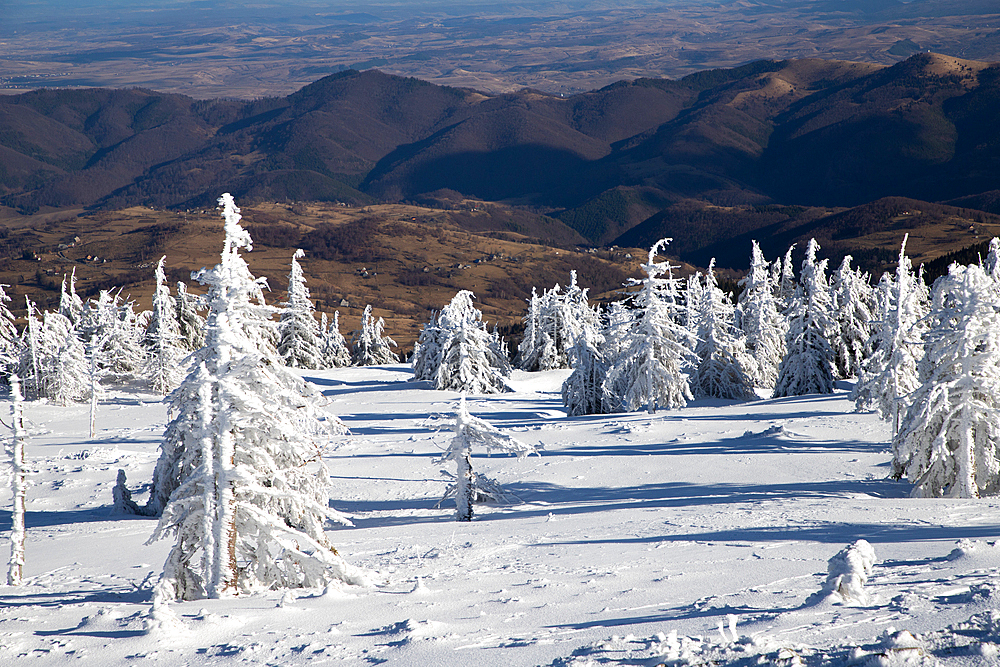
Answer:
(67, 355)
(455, 350)
(672, 340)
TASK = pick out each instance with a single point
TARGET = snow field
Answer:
(694, 536)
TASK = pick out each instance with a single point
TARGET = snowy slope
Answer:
(638, 537)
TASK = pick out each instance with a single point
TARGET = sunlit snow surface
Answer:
(641, 540)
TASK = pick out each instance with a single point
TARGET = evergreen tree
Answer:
(30, 363)
(720, 371)
(583, 391)
(650, 369)
(761, 320)
(301, 344)
(163, 367)
(947, 444)
(371, 347)
(553, 323)
(471, 431)
(191, 324)
(808, 364)
(534, 342)
(63, 361)
(336, 354)
(427, 350)
(889, 375)
(119, 331)
(9, 343)
(240, 478)
(70, 304)
(470, 358)
(853, 302)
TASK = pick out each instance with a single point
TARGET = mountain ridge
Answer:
(801, 132)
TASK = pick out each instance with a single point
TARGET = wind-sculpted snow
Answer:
(696, 536)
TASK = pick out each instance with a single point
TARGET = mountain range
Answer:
(806, 137)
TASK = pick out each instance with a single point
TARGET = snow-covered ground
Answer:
(694, 536)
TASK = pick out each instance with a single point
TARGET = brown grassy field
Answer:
(412, 261)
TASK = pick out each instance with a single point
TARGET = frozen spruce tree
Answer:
(534, 343)
(371, 347)
(464, 355)
(650, 370)
(808, 364)
(64, 361)
(889, 375)
(119, 331)
(991, 264)
(761, 320)
(240, 477)
(721, 369)
(470, 487)
(9, 343)
(70, 304)
(336, 354)
(53, 360)
(301, 342)
(165, 353)
(949, 442)
(553, 323)
(853, 303)
(583, 391)
(191, 324)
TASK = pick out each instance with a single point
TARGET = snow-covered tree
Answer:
(889, 375)
(53, 360)
(786, 285)
(459, 353)
(808, 364)
(336, 354)
(192, 325)
(533, 346)
(371, 347)
(721, 369)
(650, 368)
(853, 301)
(240, 478)
(119, 330)
(583, 391)
(991, 264)
(9, 343)
(949, 441)
(301, 340)
(163, 368)
(471, 431)
(552, 325)
(761, 320)
(64, 361)
(70, 304)
(18, 486)
(29, 363)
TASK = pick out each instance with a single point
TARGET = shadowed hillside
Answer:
(816, 134)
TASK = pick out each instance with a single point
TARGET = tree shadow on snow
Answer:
(774, 441)
(43, 519)
(585, 500)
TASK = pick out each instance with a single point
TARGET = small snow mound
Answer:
(777, 429)
(974, 549)
(848, 571)
(899, 649)
(419, 588)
